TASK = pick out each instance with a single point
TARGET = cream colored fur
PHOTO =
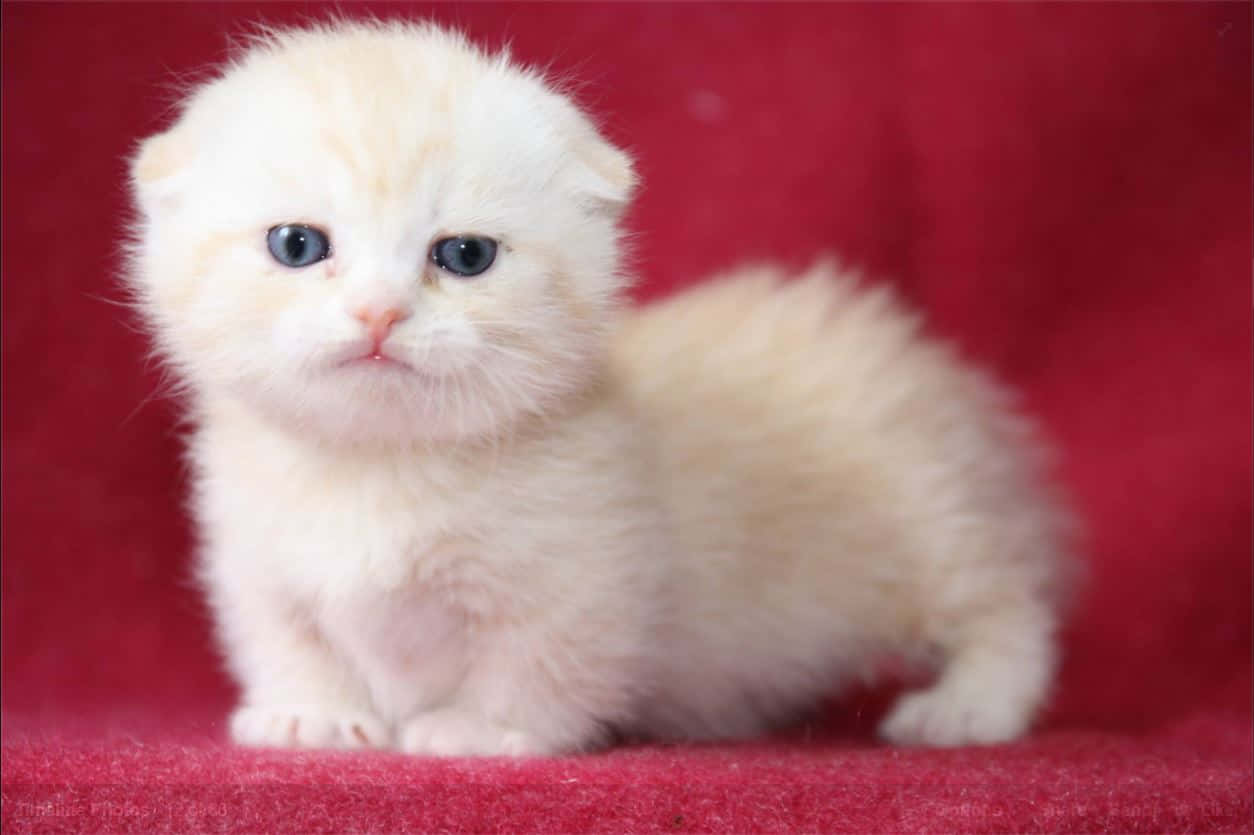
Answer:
(562, 519)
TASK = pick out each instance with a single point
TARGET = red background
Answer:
(1065, 189)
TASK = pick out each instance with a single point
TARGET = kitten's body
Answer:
(556, 519)
(878, 497)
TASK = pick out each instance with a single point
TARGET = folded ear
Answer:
(607, 174)
(157, 169)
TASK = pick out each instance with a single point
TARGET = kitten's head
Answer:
(376, 232)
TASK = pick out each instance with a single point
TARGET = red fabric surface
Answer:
(1064, 188)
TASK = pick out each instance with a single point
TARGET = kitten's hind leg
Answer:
(996, 676)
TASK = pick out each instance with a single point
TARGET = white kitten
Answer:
(454, 499)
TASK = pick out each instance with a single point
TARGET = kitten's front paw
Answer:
(306, 726)
(454, 733)
(947, 717)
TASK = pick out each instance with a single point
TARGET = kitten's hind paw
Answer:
(306, 726)
(453, 733)
(947, 717)
(988, 692)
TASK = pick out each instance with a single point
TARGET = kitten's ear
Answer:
(156, 171)
(607, 174)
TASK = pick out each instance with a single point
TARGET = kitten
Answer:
(455, 498)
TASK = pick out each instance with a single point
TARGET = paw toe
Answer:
(303, 726)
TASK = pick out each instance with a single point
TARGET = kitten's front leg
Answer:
(296, 692)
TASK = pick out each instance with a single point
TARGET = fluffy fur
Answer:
(553, 518)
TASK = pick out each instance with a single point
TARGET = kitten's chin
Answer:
(387, 402)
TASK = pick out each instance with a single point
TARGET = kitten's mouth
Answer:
(376, 359)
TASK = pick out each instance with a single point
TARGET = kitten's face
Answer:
(390, 144)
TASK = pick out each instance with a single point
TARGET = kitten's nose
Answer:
(379, 320)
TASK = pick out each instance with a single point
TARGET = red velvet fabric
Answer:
(1064, 188)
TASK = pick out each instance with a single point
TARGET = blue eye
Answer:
(464, 255)
(294, 245)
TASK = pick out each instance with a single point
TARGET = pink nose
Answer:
(379, 321)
